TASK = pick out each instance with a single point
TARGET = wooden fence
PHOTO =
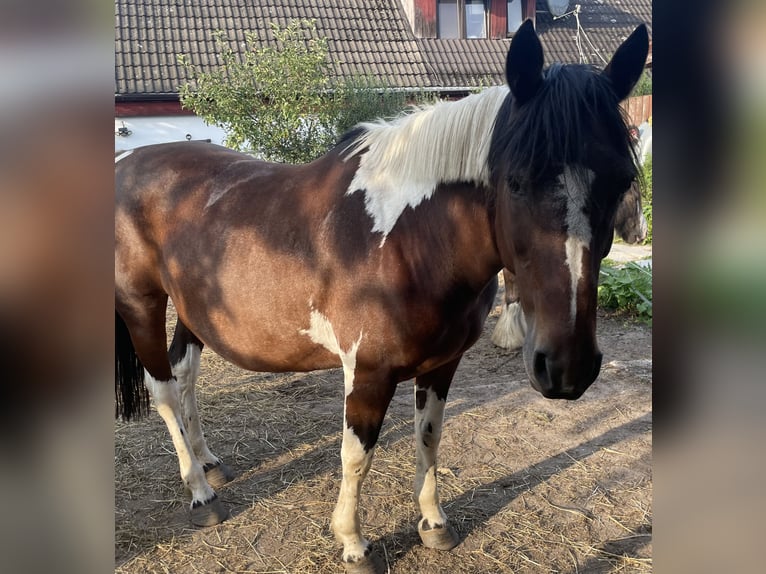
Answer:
(639, 109)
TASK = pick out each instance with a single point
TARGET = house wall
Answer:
(148, 130)
(422, 15)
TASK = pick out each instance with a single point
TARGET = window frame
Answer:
(461, 20)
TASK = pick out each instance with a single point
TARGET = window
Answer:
(449, 26)
(462, 19)
(515, 17)
(475, 19)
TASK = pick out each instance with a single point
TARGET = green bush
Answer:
(626, 289)
(277, 102)
(365, 99)
(644, 85)
(646, 196)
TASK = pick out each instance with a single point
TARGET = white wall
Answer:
(162, 129)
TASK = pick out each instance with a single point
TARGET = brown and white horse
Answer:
(381, 257)
(629, 224)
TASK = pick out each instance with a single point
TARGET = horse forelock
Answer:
(553, 130)
(403, 161)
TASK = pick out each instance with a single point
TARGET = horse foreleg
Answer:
(185, 357)
(367, 399)
(430, 398)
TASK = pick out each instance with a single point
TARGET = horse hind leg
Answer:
(511, 327)
(184, 354)
(430, 398)
(145, 320)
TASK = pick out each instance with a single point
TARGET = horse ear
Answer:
(628, 61)
(524, 65)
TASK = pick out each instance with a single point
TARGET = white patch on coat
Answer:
(321, 332)
(408, 157)
(579, 232)
(123, 155)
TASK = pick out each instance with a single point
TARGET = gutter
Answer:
(173, 96)
(161, 97)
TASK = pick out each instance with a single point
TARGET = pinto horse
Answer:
(380, 257)
(630, 224)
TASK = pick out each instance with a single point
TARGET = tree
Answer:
(277, 102)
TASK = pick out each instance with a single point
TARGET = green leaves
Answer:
(646, 196)
(277, 102)
(627, 289)
(271, 102)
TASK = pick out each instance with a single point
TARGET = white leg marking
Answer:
(428, 432)
(166, 400)
(579, 233)
(345, 518)
(354, 459)
(123, 155)
(186, 371)
(511, 327)
(643, 226)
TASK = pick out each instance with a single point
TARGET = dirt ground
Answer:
(531, 485)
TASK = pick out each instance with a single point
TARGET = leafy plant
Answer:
(644, 85)
(365, 99)
(277, 102)
(274, 102)
(646, 196)
(626, 289)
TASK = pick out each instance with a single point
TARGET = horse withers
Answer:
(380, 257)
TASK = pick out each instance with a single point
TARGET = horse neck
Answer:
(454, 233)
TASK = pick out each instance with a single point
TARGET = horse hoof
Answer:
(217, 476)
(209, 514)
(370, 564)
(438, 537)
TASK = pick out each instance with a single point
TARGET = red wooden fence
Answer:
(639, 109)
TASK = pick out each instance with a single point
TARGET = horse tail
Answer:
(132, 398)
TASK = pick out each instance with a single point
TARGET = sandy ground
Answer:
(531, 485)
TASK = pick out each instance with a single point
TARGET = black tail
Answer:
(132, 398)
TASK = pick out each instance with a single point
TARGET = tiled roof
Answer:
(605, 23)
(465, 63)
(364, 38)
(370, 38)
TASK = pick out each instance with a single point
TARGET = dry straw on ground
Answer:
(531, 485)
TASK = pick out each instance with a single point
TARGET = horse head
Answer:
(561, 160)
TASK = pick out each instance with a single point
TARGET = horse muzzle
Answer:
(557, 378)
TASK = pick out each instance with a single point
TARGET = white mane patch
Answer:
(408, 157)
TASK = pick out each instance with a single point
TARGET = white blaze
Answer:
(578, 232)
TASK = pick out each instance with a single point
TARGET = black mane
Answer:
(535, 141)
